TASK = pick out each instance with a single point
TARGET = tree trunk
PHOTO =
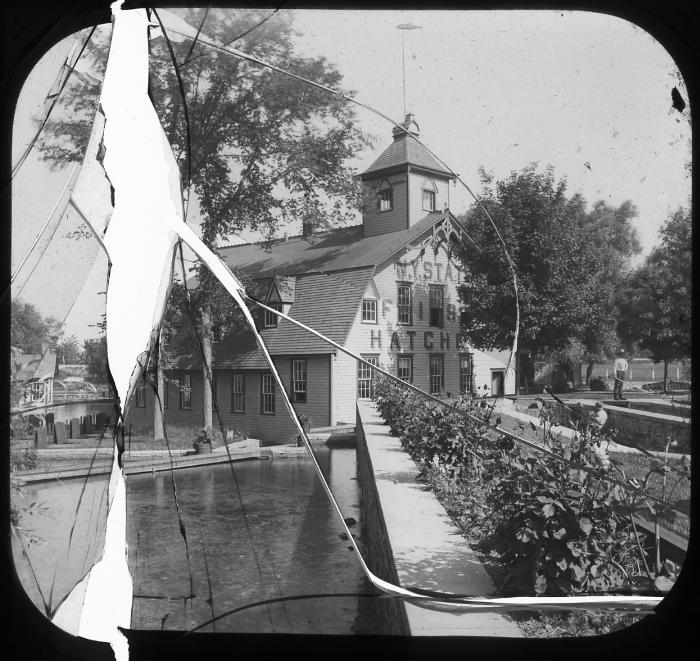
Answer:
(207, 367)
(589, 372)
(665, 375)
(158, 426)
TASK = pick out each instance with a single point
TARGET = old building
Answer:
(35, 375)
(385, 289)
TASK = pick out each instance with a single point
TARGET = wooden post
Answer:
(665, 375)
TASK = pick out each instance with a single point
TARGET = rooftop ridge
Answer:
(283, 240)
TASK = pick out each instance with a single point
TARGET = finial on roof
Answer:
(408, 123)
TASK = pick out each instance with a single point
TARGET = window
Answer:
(186, 392)
(404, 299)
(166, 391)
(404, 368)
(385, 199)
(267, 394)
(465, 373)
(271, 318)
(298, 380)
(369, 311)
(428, 200)
(437, 312)
(141, 395)
(364, 377)
(436, 374)
(238, 392)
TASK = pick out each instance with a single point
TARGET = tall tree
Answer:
(656, 306)
(614, 239)
(69, 351)
(567, 263)
(30, 331)
(95, 351)
(258, 148)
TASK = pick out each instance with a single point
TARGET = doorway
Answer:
(497, 377)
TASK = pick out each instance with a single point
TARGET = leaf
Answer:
(663, 583)
(548, 510)
(578, 572)
(585, 525)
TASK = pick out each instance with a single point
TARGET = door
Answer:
(497, 383)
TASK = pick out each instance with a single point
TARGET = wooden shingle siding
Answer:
(386, 221)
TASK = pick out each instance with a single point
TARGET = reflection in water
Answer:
(59, 559)
(289, 542)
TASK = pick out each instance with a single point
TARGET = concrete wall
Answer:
(650, 430)
(410, 536)
(380, 559)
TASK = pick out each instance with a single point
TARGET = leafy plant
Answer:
(25, 459)
(203, 438)
(557, 522)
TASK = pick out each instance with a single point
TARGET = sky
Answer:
(588, 94)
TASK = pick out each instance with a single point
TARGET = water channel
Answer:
(269, 532)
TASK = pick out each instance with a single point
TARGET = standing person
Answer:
(620, 369)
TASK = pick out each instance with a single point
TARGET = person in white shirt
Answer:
(599, 416)
(620, 369)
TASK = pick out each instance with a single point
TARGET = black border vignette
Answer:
(27, 31)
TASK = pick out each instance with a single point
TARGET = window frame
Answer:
(409, 305)
(235, 393)
(296, 394)
(409, 358)
(376, 311)
(362, 379)
(271, 320)
(266, 377)
(439, 359)
(387, 191)
(431, 196)
(469, 389)
(186, 390)
(140, 395)
(432, 309)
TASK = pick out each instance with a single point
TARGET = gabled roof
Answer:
(327, 302)
(405, 150)
(337, 250)
(33, 366)
(285, 286)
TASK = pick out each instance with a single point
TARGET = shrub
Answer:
(25, 459)
(556, 523)
(598, 383)
(559, 529)
(203, 438)
(430, 432)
